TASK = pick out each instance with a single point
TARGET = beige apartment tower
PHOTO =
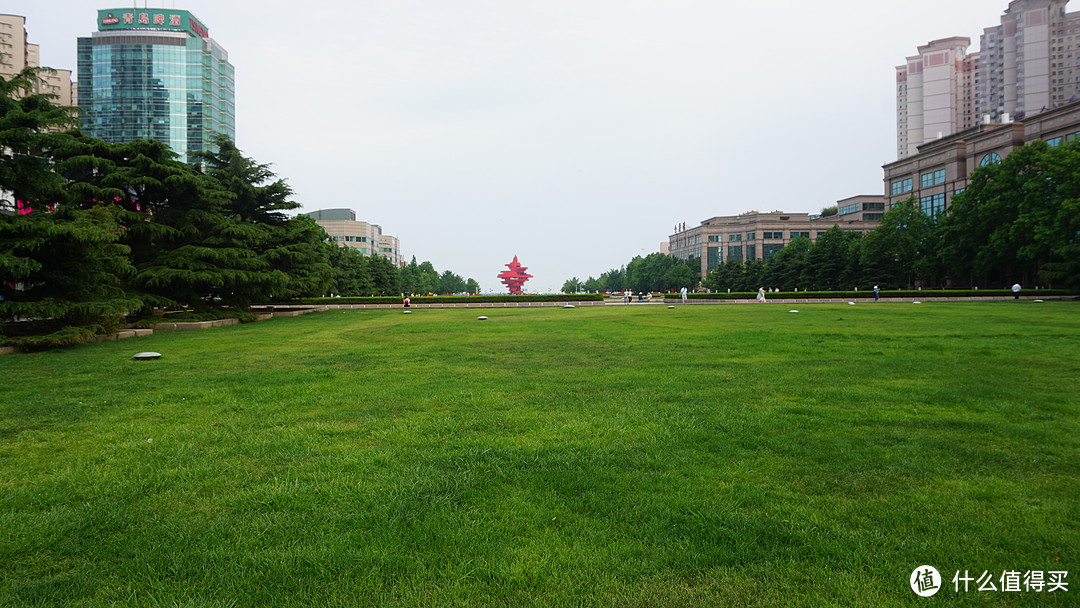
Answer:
(16, 53)
(930, 93)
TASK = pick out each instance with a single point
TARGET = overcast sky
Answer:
(572, 133)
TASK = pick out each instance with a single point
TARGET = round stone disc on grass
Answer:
(916, 302)
(481, 318)
(671, 307)
(146, 356)
(1037, 301)
(568, 306)
(793, 311)
(406, 312)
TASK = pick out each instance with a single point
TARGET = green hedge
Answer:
(901, 293)
(65, 336)
(455, 299)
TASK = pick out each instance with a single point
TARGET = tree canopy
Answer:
(94, 231)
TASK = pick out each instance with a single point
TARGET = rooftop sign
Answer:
(151, 19)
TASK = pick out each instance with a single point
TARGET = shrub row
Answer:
(65, 336)
(455, 299)
(902, 293)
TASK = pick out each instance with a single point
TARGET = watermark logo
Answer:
(925, 581)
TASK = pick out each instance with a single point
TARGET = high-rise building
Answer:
(155, 74)
(17, 53)
(930, 93)
(1030, 63)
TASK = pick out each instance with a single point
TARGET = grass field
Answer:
(611, 456)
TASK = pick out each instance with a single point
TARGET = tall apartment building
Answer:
(155, 74)
(17, 53)
(345, 231)
(1027, 64)
(931, 98)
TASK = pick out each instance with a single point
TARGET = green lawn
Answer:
(735, 455)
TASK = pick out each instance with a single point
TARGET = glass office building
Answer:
(155, 74)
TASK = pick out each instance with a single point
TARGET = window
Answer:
(873, 207)
(1055, 142)
(734, 237)
(750, 236)
(796, 235)
(872, 217)
(715, 257)
(939, 176)
(927, 180)
(768, 251)
(846, 209)
(907, 184)
(734, 252)
(820, 234)
(897, 187)
(932, 206)
(751, 252)
(990, 159)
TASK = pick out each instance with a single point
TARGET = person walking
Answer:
(761, 294)
(682, 292)
(1016, 291)
(877, 296)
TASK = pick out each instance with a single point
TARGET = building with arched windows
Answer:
(940, 169)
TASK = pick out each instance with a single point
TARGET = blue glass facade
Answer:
(171, 86)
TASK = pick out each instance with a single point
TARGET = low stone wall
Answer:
(123, 335)
(197, 324)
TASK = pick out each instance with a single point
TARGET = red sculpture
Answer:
(515, 277)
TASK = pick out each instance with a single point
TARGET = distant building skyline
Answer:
(155, 74)
(345, 230)
(1029, 63)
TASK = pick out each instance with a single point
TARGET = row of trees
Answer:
(654, 272)
(424, 279)
(1018, 220)
(102, 230)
